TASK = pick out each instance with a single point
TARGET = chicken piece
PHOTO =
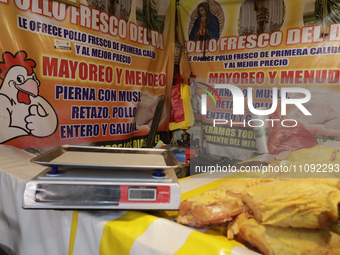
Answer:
(333, 182)
(271, 240)
(234, 187)
(221, 205)
(315, 162)
(211, 207)
(316, 154)
(296, 203)
(257, 181)
(217, 206)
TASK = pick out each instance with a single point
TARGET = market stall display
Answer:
(136, 232)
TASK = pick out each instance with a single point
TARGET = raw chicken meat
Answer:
(271, 240)
(296, 203)
(211, 207)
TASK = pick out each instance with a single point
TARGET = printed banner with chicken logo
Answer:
(267, 49)
(84, 72)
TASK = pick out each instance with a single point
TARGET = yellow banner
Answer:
(82, 74)
(270, 47)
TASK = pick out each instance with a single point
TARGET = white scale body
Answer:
(103, 188)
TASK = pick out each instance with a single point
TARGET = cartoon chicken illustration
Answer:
(23, 111)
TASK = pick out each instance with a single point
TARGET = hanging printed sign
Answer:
(85, 74)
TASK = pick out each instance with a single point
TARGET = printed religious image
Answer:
(261, 16)
(323, 13)
(151, 14)
(206, 21)
(119, 8)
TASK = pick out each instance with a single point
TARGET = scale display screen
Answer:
(78, 194)
(142, 194)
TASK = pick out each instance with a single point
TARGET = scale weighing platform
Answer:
(85, 177)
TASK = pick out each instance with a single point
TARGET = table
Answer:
(58, 232)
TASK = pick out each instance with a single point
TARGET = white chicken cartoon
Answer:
(22, 111)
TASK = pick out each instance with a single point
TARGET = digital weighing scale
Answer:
(85, 177)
